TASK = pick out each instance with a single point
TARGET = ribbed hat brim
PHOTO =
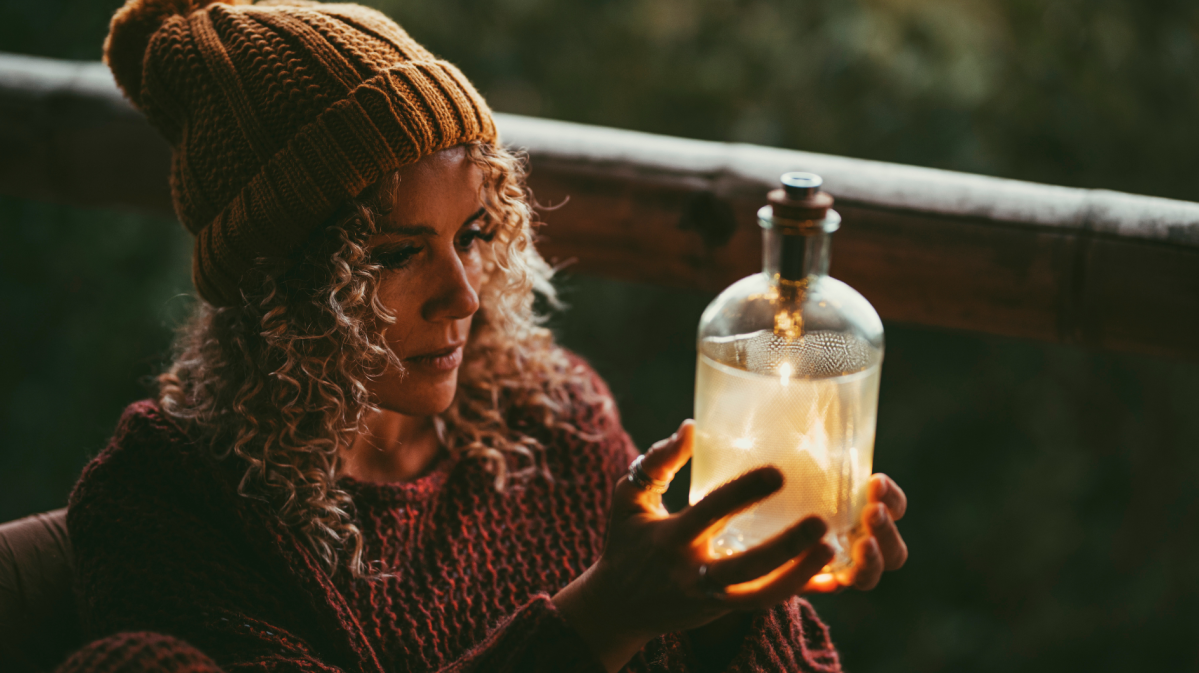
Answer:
(393, 119)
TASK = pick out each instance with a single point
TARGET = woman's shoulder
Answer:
(580, 398)
(592, 402)
(589, 423)
(145, 422)
(148, 451)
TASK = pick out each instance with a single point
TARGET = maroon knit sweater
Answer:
(177, 573)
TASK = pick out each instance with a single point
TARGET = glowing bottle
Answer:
(788, 376)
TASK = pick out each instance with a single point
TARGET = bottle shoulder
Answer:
(823, 304)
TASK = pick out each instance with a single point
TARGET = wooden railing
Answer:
(1096, 268)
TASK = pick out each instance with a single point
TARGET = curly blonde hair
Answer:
(279, 380)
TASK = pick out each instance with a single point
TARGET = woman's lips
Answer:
(444, 360)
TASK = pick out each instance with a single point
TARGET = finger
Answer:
(762, 559)
(785, 582)
(660, 462)
(666, 457)
(884, 489)
(726, 500)
(822, 583)
(877, 519)
(867, 565)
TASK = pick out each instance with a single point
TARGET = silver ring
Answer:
(710, 588)
(643, 481)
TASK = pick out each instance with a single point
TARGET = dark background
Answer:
(1054, 491)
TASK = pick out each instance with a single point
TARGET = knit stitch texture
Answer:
(278, 112)
(177, 573)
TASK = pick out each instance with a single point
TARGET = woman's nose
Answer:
(454, 296)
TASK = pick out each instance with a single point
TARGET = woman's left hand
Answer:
(881, 548)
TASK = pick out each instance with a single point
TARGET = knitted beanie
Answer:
(278, 112)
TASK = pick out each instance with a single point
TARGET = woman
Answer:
(367, 455)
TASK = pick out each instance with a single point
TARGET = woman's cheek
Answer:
(398, 293)
(484, 267)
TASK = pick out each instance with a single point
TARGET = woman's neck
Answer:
(394, 448)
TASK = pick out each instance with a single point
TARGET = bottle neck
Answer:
(794, 256)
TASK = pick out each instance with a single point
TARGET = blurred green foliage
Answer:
(1054, 492)
(89, 298)
(1096, 93)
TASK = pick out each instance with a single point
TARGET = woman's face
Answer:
(429, 248)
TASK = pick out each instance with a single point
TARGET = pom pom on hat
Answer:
(130, 32)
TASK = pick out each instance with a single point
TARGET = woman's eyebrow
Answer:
(478, 213)
(411, 230)
(426, 230)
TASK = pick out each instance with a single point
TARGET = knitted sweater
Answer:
(177, 573)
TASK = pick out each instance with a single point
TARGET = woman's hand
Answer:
(655, 575)
(882, 548)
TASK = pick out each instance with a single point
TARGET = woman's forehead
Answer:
(442, 189)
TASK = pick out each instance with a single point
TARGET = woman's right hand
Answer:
(648, 581)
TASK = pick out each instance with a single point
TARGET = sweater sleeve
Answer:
(168, 567)
(788, 637)
(536, 638)
(173, 576)
(142, 652)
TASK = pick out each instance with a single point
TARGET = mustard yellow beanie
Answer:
(278, 112)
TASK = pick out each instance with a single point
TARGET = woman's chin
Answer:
(418, 396)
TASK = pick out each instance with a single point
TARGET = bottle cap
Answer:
(800, 204)
(799, 185)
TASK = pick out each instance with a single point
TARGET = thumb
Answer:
(660, 463)
(666, 457)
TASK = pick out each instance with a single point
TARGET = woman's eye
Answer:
(395, 258)
(467, 238)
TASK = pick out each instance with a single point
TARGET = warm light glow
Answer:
(816, 444)
(757, 584)
(788, 325)
(825, 582)
(806, 427)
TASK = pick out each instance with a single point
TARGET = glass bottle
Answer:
(788, 375)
